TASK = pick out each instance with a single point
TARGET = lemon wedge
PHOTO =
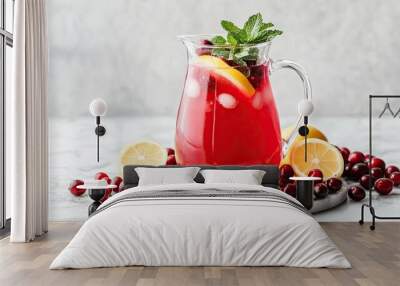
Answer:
(144, 153)
(320, 155)
(221, 68)
(313, 132)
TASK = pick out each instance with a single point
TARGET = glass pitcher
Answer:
(227, 114)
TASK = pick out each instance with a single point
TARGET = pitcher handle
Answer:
(305, 106)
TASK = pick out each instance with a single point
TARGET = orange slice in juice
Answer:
(221, 68)
(320, 155)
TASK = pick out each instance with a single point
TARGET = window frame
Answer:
(6, 39)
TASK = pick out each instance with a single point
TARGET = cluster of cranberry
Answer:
(321, 188)
(98, 176)
(359, 166)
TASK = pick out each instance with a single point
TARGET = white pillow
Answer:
(163, 176)
(248, 177)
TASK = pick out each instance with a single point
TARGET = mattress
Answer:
(201, 225)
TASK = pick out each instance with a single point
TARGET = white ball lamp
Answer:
(305, 108)
(98, 108)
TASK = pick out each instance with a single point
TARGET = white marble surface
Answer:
(127, 51)
(73, 155)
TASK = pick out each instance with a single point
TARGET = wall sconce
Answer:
(98, 108)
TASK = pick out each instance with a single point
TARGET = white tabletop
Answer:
(96, 187)
(305, 178)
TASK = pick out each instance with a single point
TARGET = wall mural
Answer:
(227, 115)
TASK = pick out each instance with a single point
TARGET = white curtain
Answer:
(26, 129)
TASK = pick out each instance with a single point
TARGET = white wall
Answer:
(126, 52)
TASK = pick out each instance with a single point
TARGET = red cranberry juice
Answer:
(219, 124)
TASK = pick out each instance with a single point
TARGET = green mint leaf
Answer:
(265, 26)
(231, 39)
(218, 40)
(223, 53)
(253, 25)
(230, 27)
(265, 36)
(247, 53)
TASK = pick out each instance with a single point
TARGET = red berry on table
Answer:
(395, 177)
(347, 170)
(366, 156)
(356, 157)
(102, 176)
(364, 181)
(383, 186)
(317, 173)
(170, 151)
(74, 190)
(106, 195)
(334, 184)
(118, 182)
(356, 193)
(377, 163)
(283, 182)
(345, 153)
(320, 191)
(377, 173)
(390, 169)
(290, 189)
(286, 171)
(171, 160)
(358, 170)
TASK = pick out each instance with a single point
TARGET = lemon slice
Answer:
(314, 132)
(144, 153)
(221, 68)
(320, 155)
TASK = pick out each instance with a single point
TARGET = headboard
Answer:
(270, 179)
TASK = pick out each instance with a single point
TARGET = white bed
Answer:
(248, 226)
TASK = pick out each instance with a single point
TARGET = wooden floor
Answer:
(375, 257)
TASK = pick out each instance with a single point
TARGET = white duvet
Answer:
(192, 231)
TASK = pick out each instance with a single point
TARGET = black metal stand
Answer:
(369, 205)
(96, 195)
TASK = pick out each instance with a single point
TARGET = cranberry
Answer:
(358, 170)
(356, 157)
(347, 170)
(170, 151)
(290, 189)
(204, 51)
(106, 195)
(345, 153)
(383, 186)
(316, 173)
(364, 181)
(73, 188)
(320, 191)
(366, 156)
(390, 169)
(377, 173)
(171, 160)
(377, 163)
(102, 176)
(118, 182)
(356, 193)
(334, 184)
(286, 171)
(395, 177)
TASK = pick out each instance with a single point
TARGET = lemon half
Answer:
(144, 153)
(320, 155)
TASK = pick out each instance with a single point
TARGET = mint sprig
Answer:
(239, 40)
